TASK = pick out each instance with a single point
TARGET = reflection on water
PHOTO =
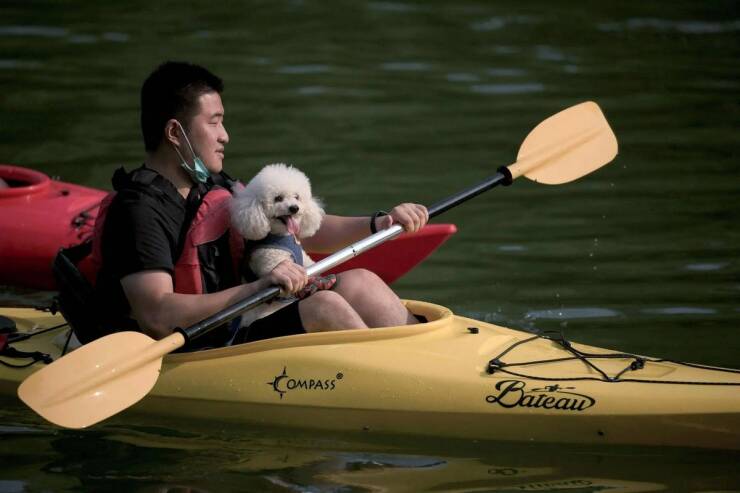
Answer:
(212, 458)
(383, 101)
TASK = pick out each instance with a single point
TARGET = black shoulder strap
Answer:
(223, 180)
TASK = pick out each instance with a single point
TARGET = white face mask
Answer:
(198, 172)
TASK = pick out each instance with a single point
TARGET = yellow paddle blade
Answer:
(97, 380)
(566, 146)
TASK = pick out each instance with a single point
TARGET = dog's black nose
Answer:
(293, 209)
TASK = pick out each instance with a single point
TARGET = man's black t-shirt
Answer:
(144, 229)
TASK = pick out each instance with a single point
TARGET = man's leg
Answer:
(372, 299)
(326, 311)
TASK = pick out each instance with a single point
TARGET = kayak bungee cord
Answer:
(10, 352)
(638, 363)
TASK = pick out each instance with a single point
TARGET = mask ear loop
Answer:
(187, 141)
(199, 173)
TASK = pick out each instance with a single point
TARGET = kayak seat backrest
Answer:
(76, 296)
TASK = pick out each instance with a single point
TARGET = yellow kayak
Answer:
(450, 377)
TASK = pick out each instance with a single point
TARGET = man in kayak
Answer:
(144, 231)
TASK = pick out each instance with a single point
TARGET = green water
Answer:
(381, 102)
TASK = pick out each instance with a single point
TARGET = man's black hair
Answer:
(172, 91)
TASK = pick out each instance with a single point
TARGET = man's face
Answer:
(207, 132)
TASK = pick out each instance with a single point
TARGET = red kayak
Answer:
(38, 216)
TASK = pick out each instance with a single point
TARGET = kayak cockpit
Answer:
(16, 181)
(436, 317)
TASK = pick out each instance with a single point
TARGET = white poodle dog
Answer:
(274, 211)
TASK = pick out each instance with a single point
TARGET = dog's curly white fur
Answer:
(277, 200)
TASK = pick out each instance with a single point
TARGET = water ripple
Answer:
(83, 39)
(707, 266)
(572, 313)
(312, 90)
(392, 7)
(507, 88)
(462, 77)
(19, 430)
(512, 248)
(11, 64)
(406, 66)
(304, 69)
(680, 310)
(684, 27)
(12, 486)
(115, 37)
(492, 24)
(59, 32)
(40, 31)
(496, 23)
(550, 54)
(506, 72)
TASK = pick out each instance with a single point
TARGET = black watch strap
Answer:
(377, 214)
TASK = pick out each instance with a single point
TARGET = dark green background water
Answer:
(382, 102)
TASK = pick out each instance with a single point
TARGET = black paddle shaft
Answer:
(502, 177)
(229, 313)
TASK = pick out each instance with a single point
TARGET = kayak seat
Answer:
(76, 299)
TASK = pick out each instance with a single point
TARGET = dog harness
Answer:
(286, 243)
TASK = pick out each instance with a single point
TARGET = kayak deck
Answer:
(437, 379)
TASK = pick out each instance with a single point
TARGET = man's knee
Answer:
(359, 279)
(326, 299)
(328, 310)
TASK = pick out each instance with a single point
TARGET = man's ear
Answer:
(172, 132)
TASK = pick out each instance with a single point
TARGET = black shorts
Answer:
(284, 322)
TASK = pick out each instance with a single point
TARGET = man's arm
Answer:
(159, 310)
(338, 231)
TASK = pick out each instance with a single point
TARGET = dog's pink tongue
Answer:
(293, 227)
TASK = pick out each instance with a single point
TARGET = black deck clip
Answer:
(493, 365)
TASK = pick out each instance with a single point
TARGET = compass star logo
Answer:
(276, 382)
(313, 383)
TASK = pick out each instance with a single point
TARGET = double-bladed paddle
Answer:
(108, 375)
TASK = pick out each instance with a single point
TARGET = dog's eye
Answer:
(297, 197)
(278, 198)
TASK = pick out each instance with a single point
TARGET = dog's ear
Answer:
(248, 216)
(312, 217)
